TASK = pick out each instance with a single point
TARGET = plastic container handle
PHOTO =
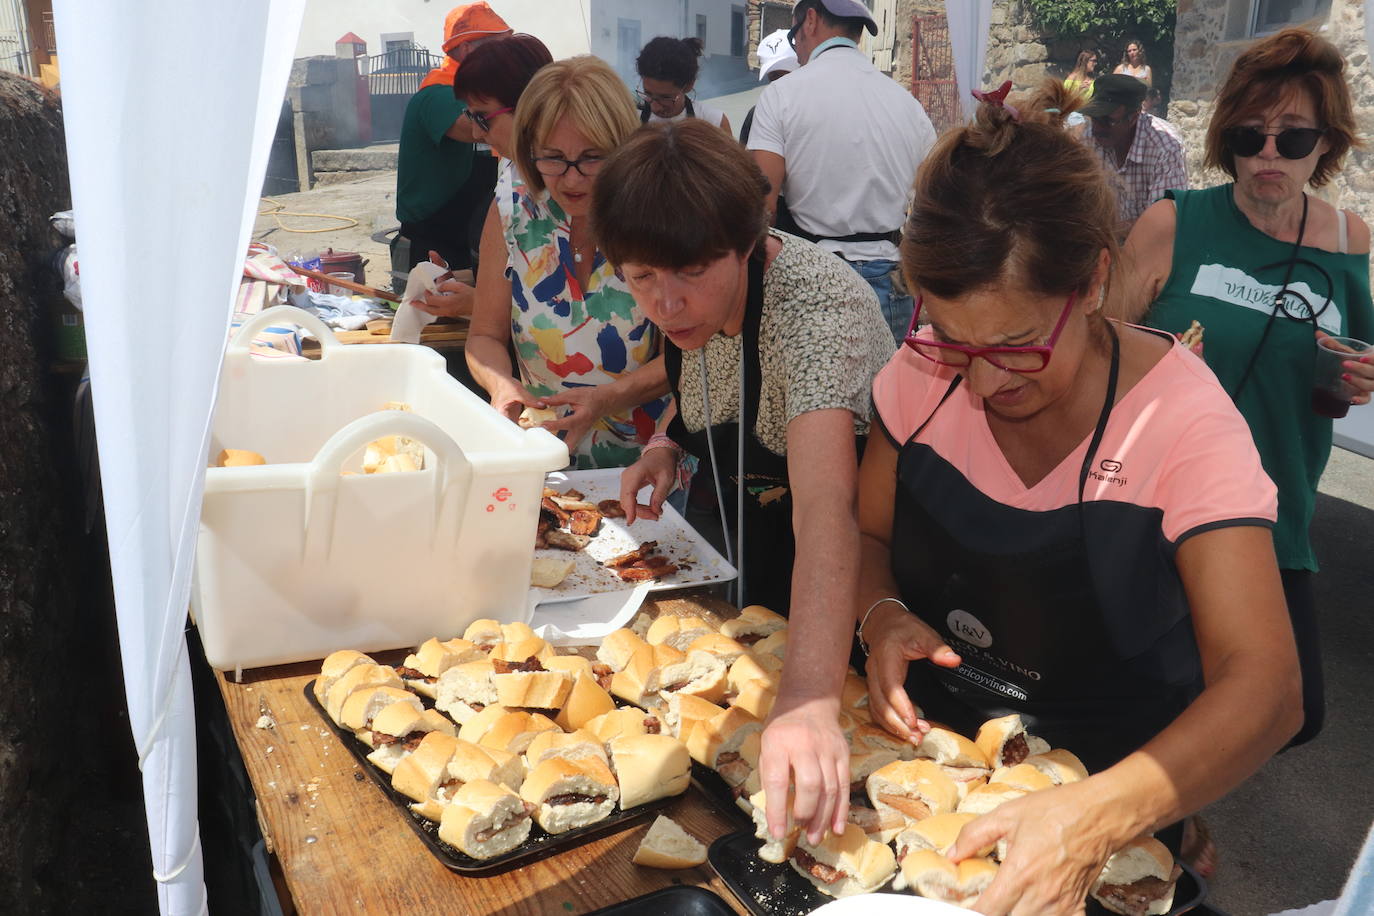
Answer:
(283, 315)
(452, 476)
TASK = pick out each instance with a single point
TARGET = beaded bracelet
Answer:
(660, 440)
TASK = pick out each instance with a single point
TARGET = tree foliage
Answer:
(1112, 20)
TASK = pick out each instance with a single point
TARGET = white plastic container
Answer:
(295, 560)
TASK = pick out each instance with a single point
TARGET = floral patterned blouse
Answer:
(568, 337)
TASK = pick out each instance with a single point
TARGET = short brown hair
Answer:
(679, 194)
(1270, 69)
(1011, 196)
(501, 68)
(583, 88)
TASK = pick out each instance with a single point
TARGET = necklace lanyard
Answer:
(1278, 304)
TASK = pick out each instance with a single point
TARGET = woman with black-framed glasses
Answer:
(1063, 518)
(668, 70)
(1268, 269)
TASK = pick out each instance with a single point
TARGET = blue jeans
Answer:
(897, 307)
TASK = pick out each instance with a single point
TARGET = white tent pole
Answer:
(969, 22)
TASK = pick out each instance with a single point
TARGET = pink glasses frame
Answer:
(1045, 350)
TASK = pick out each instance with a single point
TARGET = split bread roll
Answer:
(774, 645)
(722, 647)
(466, 689)
(1138, 880)
(485, 820)
(876, 737)
(863, 763)
(641, 679)
(746, 668)
(422, 668)
(774, 849)
(667, 845)
(585, 702)
(939, 832)
(683, 711)
(721, 735)
(649, 767)
(569, 794)
(532, 689)
(362, 705)
(963, 760)
(700, 674)
(467, 763)
(486, 633)
(359, 677)
(512, 731)
(1005, 741)
(936, 877)
(624, 722)
(915, 789)
(531, 417)
(1059, 765)
(982, 799)
(1021, 776)
(522, 649)
(844, 864)
(419, 775)
(574, 746)
(238, 458)
(335, 666)
(549, 572)
(756, 697)
(398, 730)
(678, 632)
(618, 647)
(753, 623)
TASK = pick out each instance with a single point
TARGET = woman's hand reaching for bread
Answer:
(510, 398)
(896, 638)
(587, 405)
(1056, 842)
(804, 748)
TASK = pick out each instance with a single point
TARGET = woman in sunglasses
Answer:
(1063, 517)
(1266, 269)
(581, 345)
(667, 69)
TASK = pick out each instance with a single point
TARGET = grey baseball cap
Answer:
(848, 9)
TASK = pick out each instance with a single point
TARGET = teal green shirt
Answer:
(1225, 275)
(430, 166)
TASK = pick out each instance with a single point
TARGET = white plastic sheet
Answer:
(170, 107)
(969, 21)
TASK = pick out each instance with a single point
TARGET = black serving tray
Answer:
(767, 889)
(538, 847)
(670, 901)
(720, 794)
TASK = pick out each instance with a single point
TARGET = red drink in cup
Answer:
(1331, 393)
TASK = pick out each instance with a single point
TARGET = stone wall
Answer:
(1206, 44)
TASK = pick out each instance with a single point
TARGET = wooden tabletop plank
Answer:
(343, 846)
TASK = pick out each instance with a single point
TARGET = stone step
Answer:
(353, 160)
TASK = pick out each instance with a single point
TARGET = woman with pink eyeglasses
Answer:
(1063, 517)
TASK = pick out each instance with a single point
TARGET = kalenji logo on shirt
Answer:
(969, 628)
(1216, 281)
(1108, 470)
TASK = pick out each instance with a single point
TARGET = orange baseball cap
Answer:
(469, 21)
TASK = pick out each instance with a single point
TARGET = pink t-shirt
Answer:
(1174, 442)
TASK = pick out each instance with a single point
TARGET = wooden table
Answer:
(344, 848)
(441, 337)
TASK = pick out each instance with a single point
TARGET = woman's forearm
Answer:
(489, 362)
(1228, 732)
(638, 387)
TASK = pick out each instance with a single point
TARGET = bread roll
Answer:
(753, 623)
(238, 458)
(569, 746)
(774, 849)
(485, 820)
(1005, 741)
(586, 701)
(667, 845)
(936, 877)
(471, 762)
(1143, 872)
(678, 632)
(649, 767)
(360, 708)
(532, 689)
(531, 417)
(700, 674)
(569, 794)
(618, 647)
(335, 666)
(359, 677)
(549, 572)
(464, 690)
(844, 864)
(419, 776)
(623, 722)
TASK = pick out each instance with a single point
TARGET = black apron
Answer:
(1035, 625)
(769, 546)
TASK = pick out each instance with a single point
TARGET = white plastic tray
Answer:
(676, 540)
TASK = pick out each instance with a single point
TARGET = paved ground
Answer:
(1288, 836)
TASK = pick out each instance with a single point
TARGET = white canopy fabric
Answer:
(170, 107)
(969, 21)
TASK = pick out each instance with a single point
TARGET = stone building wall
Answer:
(1207, 42)
(1020, 51)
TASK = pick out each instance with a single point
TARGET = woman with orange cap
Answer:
(440, 180)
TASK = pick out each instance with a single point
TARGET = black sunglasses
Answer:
(1291, 142)
(792, 34)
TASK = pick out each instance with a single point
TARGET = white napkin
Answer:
(585, 621)
(409, 321)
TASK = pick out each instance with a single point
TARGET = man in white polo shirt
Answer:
(841, 141)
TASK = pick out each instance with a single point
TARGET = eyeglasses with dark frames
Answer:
(1290, 142)
(792, 33)
(483, 119)
(586, 166)
(1025, 360)
(645, 97)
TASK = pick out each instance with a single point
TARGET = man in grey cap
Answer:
(842, 142)
(1142, 154)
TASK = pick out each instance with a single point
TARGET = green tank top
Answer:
(1225, 276)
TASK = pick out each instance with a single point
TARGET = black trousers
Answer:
(1302, 609)
(456, 229)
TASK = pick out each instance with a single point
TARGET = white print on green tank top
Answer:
(1229, 284)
